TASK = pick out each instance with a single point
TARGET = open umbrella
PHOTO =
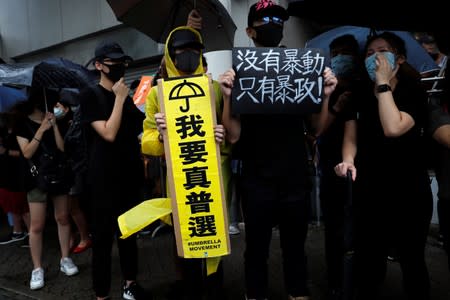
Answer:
(50, 73)
(417, 57)
(10, 96)
(157, 18)
(384, 15)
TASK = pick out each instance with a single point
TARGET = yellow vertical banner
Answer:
(194, 172)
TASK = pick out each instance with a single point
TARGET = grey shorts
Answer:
(36, 195)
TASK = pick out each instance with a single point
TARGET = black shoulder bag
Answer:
(51, 171)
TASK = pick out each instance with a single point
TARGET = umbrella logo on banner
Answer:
(186, 90)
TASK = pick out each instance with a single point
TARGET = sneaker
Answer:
(392, 258)
(134, 292)
(37, 279)
(68, 267)
(13, 237)
(233, 229)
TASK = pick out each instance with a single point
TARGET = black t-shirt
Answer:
(379, 155)
(273, 145)
(118, 163)
(28, 128)
(330, 142)
(12, 169)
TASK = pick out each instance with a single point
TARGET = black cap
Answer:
(266, 8)
(184, 38)
(112, 50)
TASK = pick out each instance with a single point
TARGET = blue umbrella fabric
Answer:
(9, 96)
(417, 57)
(50, 73)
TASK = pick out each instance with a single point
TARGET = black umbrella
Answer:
(157, 19)
(51, 73)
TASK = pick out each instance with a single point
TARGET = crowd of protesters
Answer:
(373, 126)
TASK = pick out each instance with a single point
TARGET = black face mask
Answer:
(268, 35)
(187, 61)
(116, 72)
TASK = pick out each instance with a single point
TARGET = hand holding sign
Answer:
(219, 133)
(226, 81)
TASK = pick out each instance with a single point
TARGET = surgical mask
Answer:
(371, 65)
(187, 61)
(116, 72)
(344, 65)
(58, 112)
(268, 35)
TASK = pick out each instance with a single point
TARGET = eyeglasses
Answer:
(273, 19)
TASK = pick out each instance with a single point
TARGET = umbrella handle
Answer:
(45, 100)
(349, 187)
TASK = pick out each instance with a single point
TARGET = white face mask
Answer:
(58, 112)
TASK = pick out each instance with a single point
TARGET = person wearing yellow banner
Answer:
(183, 56)
(274, 171)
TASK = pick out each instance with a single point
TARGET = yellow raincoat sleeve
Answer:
(150, 143)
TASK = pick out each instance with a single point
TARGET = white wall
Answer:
(30, 25)
(296, 33)
(34, 29)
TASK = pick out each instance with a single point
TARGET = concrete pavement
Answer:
(157, 270)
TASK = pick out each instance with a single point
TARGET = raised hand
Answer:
(121, 90)
(226, 81)
(195, 19)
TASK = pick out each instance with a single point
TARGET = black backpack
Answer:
(75, 144)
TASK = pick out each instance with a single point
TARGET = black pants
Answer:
(266, 202)
(443, 179)
(398, 218)
(333, 195)
(104, 230)
(195, 282)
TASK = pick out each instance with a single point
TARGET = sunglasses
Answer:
(273, 19)
(110, 62)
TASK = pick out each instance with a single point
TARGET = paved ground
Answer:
(157, 270)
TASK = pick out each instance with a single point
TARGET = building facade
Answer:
(32, 30)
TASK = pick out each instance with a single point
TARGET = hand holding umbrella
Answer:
(195, 20)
